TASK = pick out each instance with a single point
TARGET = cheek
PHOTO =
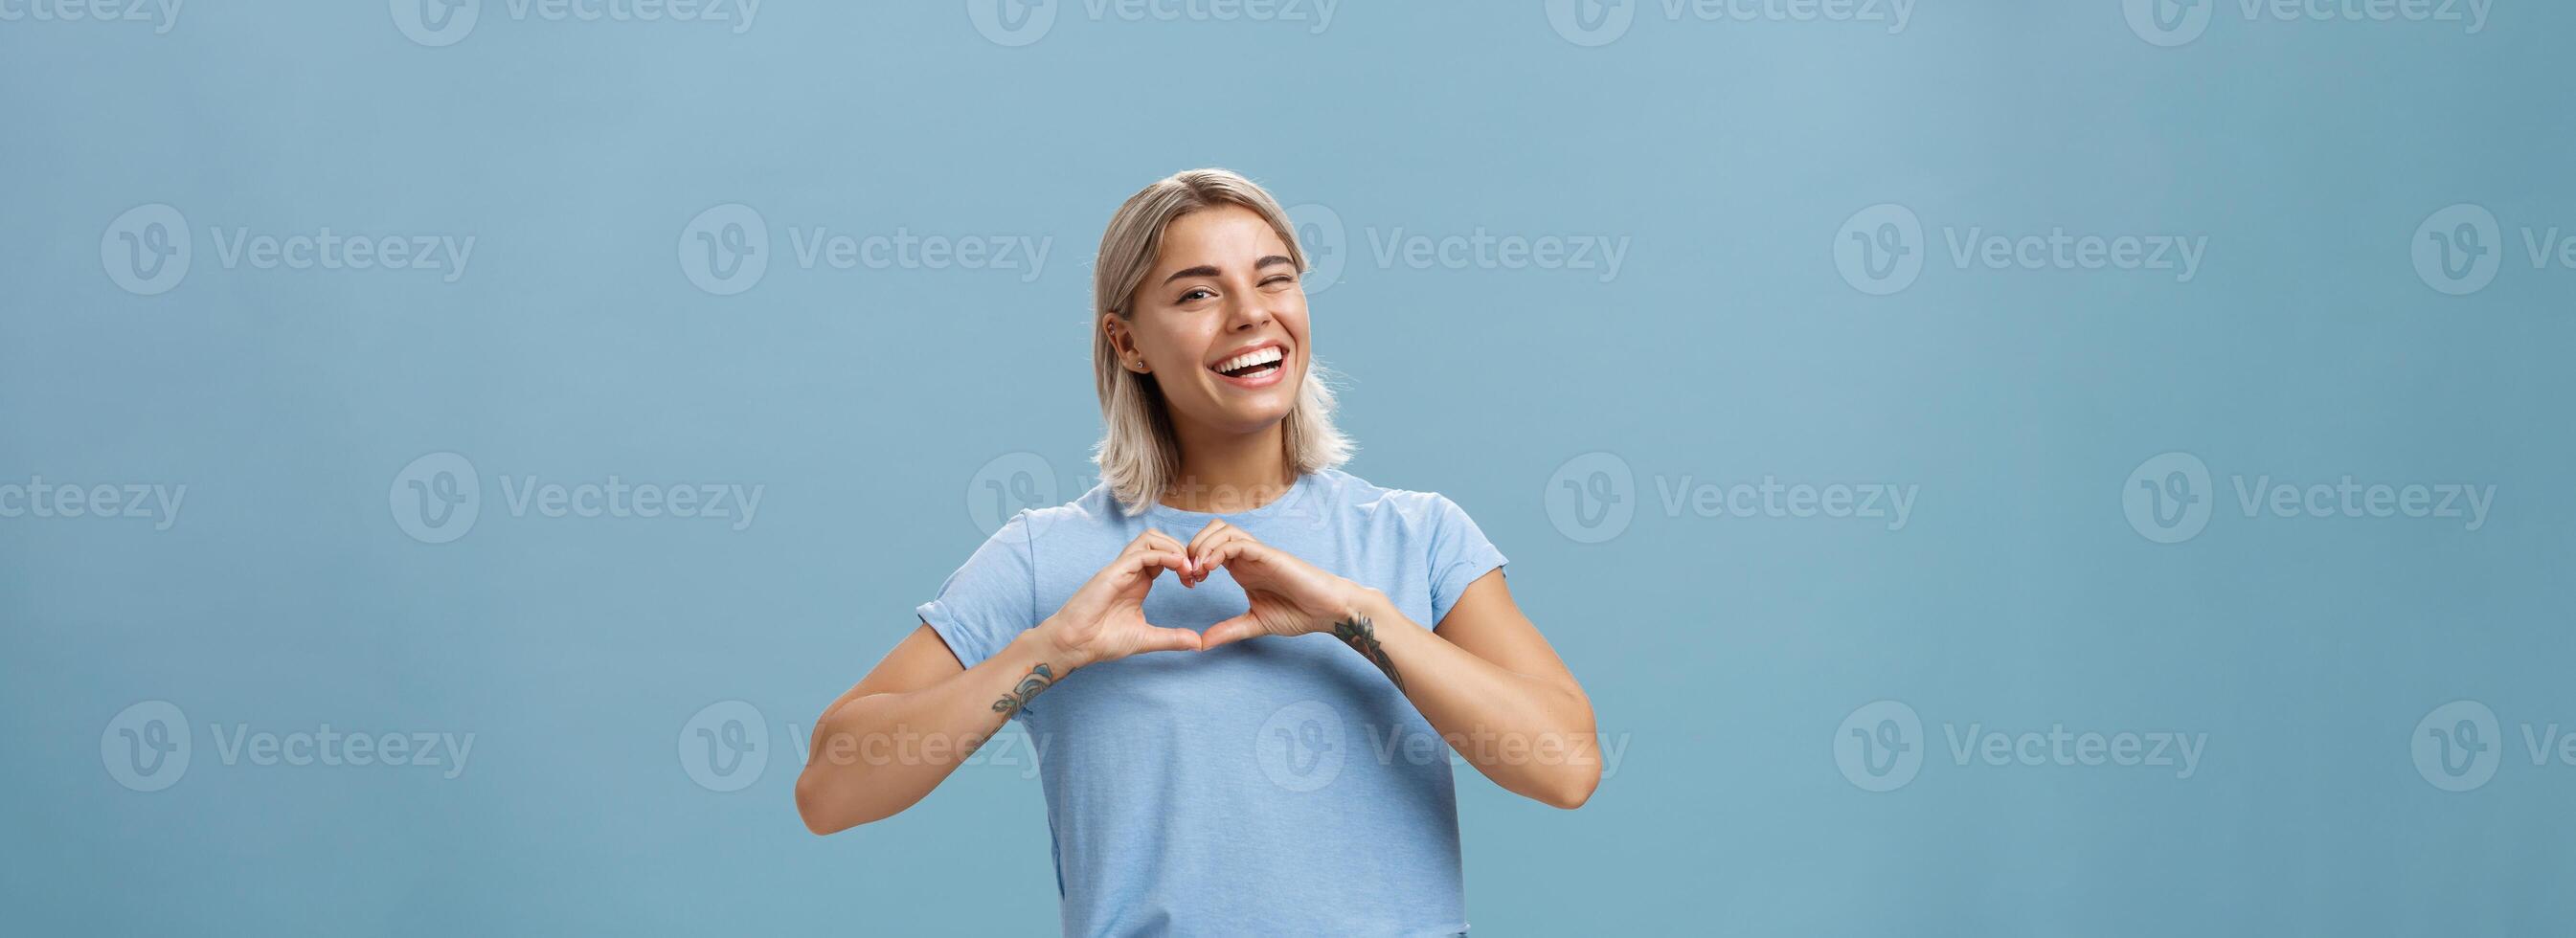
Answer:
(1168, 337)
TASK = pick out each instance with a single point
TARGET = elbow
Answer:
(1571, 792)
(811, 807)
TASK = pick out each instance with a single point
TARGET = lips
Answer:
(1257, 365)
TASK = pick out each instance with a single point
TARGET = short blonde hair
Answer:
(1137, 454)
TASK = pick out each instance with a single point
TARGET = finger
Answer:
(1227, 553)
(1230, 631)
(1208, 556)
(1215, 531)
(1151, 563)
(1155, 539)
(1157, 638)
(1206, 534)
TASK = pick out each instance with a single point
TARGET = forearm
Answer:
(875, 755)
(1533, 736)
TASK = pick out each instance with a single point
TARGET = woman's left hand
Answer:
(1288, 596)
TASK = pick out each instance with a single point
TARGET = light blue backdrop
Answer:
(2320, 251)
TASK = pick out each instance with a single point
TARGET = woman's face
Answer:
(1220, 322)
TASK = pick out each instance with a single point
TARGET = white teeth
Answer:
(1262, 356)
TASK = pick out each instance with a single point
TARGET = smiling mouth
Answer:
(1257, 363)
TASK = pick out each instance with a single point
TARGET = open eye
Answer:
(1195, 294)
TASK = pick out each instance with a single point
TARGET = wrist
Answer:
(1359, 602)
(1046, 643)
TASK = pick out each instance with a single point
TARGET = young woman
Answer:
(1250, 661)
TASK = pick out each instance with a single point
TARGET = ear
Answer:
(1121, 339)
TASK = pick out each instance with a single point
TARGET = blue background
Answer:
(1722, 653)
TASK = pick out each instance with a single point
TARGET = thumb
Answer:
(1231, 630)
(1157, 638)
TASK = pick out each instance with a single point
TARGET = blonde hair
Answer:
(1137, 454)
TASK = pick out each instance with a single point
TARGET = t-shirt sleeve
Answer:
(990, 600)
(1459, 554)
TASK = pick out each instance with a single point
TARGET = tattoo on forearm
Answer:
(1359, 633)
(1039, 678)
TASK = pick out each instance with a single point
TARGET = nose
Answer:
(1249, 312)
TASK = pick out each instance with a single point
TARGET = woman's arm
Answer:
(895, 736)
(1486, 680)
(1490, 684)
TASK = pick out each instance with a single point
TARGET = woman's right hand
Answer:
(1105, 618)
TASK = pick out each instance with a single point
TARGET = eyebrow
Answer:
(1205, 270)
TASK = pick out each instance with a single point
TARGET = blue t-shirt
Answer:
(1270, 786)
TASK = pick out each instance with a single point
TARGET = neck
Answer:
(1223, 473)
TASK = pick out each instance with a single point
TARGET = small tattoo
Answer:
(1039, 678)
(1361, 635)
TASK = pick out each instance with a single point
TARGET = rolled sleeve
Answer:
(990, 599)
(1459, 555)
